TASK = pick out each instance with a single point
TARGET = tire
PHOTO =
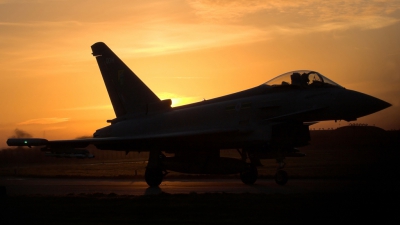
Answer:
(250, 175)
(153, 177)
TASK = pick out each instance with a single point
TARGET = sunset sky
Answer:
(188, 50)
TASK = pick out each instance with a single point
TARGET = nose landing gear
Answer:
(281, 176)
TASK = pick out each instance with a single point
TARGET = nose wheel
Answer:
(281, 176)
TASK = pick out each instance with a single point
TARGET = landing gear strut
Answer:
(281, 177)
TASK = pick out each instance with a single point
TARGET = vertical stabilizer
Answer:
(128, 94)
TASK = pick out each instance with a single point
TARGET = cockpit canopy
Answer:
(301, 78)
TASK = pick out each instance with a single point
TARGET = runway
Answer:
(60, 187)
(124, 201)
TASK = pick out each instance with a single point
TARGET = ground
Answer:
(368, 155)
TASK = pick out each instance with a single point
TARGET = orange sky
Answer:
(188, 50)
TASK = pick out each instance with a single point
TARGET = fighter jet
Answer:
(268, 121)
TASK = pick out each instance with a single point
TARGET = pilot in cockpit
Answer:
(300, 80)
(296, 79)
(304, 79)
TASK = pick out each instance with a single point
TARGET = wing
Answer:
(163, 141)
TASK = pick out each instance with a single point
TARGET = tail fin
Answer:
(127, 92)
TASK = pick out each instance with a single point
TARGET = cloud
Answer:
(177, 37)
(151, 37)
(28, 1)
(322, 13)
(327, 9)
(44, 121)
(227, 9)
(95, 107)
(203, 24)
(366, 23)
(54, 128)
(36, 24)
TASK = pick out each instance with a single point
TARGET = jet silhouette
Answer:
(268, 121)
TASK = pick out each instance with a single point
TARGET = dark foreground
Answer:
(372, 199)
(375, 201)
(217, 208)
(208, 201)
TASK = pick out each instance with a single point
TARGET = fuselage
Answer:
(250, 114)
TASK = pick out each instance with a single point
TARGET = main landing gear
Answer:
(156, 170)
(154, 173)
(281, 176)
(153, 176)
(250, 175)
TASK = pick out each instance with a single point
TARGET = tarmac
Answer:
(16, 186)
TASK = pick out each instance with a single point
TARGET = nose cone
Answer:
(353, 105)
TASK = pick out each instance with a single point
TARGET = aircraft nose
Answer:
(378, 104)
(355, 104)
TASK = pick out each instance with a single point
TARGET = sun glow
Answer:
(178, 100)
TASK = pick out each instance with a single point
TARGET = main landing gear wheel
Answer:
(250, 175)
(153, 176)
(281, 177)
